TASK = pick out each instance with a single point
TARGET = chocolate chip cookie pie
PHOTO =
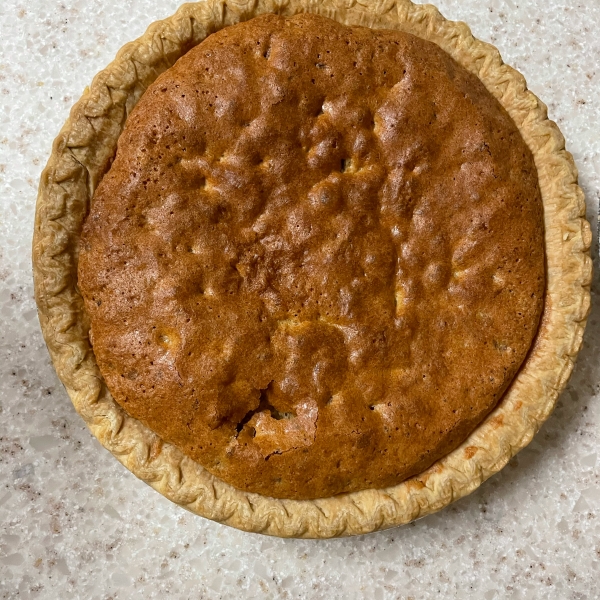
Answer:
(311, 270)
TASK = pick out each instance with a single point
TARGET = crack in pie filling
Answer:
(317, 260)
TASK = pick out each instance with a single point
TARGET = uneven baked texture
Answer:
(79, 159)
(317, 260)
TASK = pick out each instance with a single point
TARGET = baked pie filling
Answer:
(317, 260)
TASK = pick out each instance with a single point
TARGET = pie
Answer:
(336, 275)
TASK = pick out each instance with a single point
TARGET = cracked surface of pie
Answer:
(317, 260)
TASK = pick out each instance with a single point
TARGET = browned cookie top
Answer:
(317, 260)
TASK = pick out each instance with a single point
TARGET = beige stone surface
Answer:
(75, 519)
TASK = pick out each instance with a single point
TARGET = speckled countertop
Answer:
(75, 524)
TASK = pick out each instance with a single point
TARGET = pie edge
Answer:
(80, 156)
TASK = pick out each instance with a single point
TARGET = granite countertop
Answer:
(74, 523)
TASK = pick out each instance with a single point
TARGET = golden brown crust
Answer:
(80, 157)
(316, 262)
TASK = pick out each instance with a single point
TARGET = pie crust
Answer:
(82, 154)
